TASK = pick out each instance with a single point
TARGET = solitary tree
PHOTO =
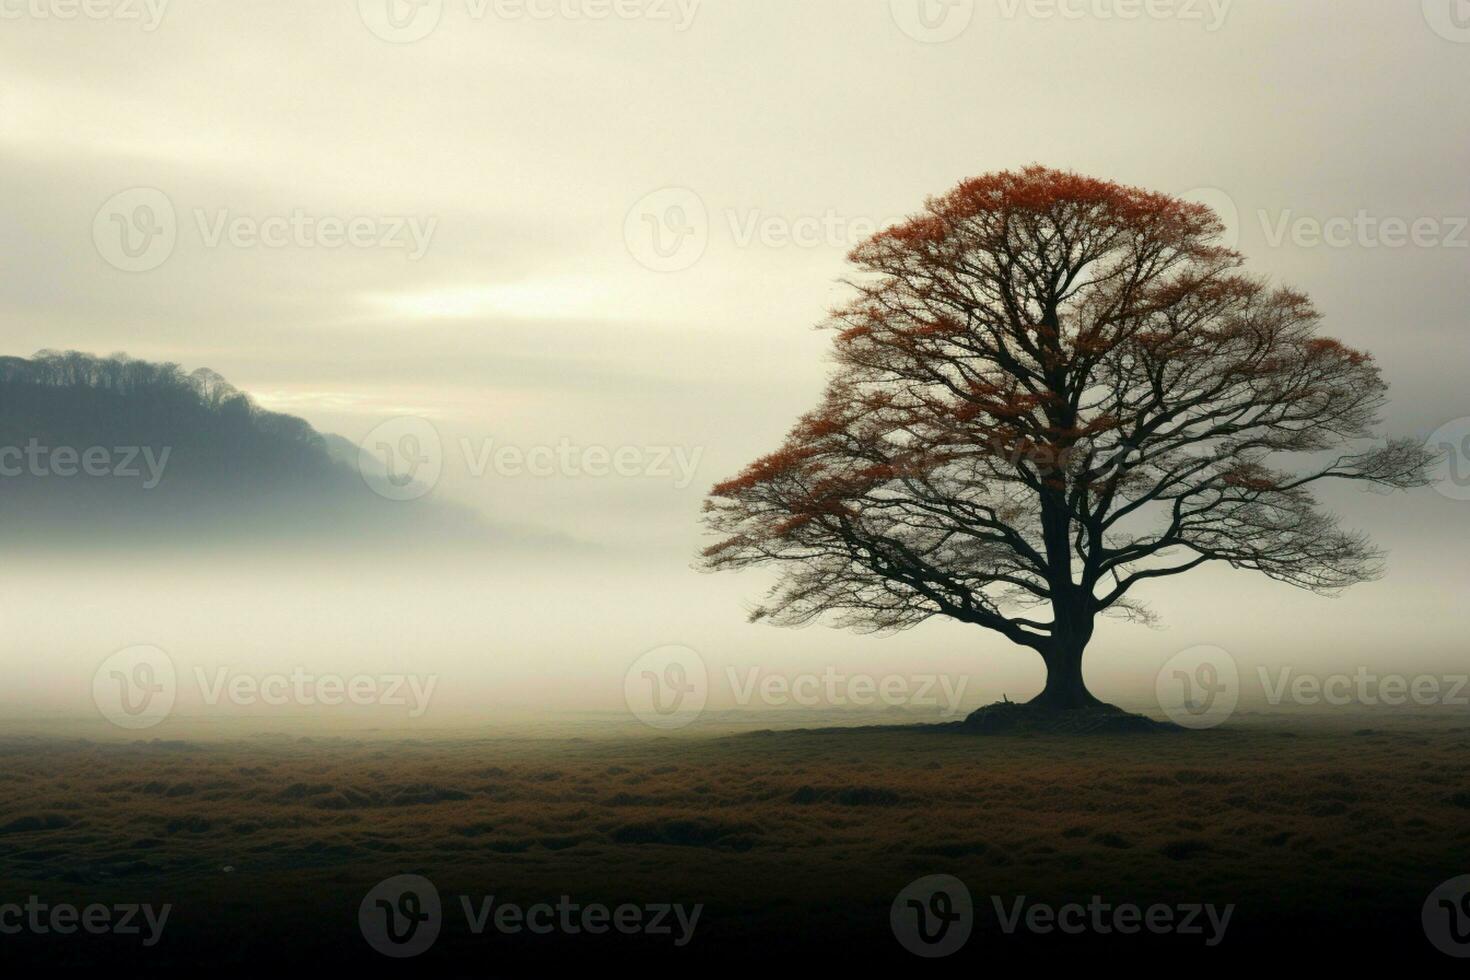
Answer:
(1050, 389)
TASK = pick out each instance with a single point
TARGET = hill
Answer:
(96, 449)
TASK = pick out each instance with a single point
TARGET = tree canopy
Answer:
(1050, 388)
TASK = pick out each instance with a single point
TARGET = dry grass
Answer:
(764, 829)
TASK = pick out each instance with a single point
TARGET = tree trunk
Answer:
(1065, 688)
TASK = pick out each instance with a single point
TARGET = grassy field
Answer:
(1323, 838)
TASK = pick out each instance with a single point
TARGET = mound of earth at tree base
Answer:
(1019, 718)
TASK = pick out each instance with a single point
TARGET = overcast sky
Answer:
(611, 223)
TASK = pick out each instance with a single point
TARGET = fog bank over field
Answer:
(513, 639)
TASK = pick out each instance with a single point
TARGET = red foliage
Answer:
(1329, 347)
